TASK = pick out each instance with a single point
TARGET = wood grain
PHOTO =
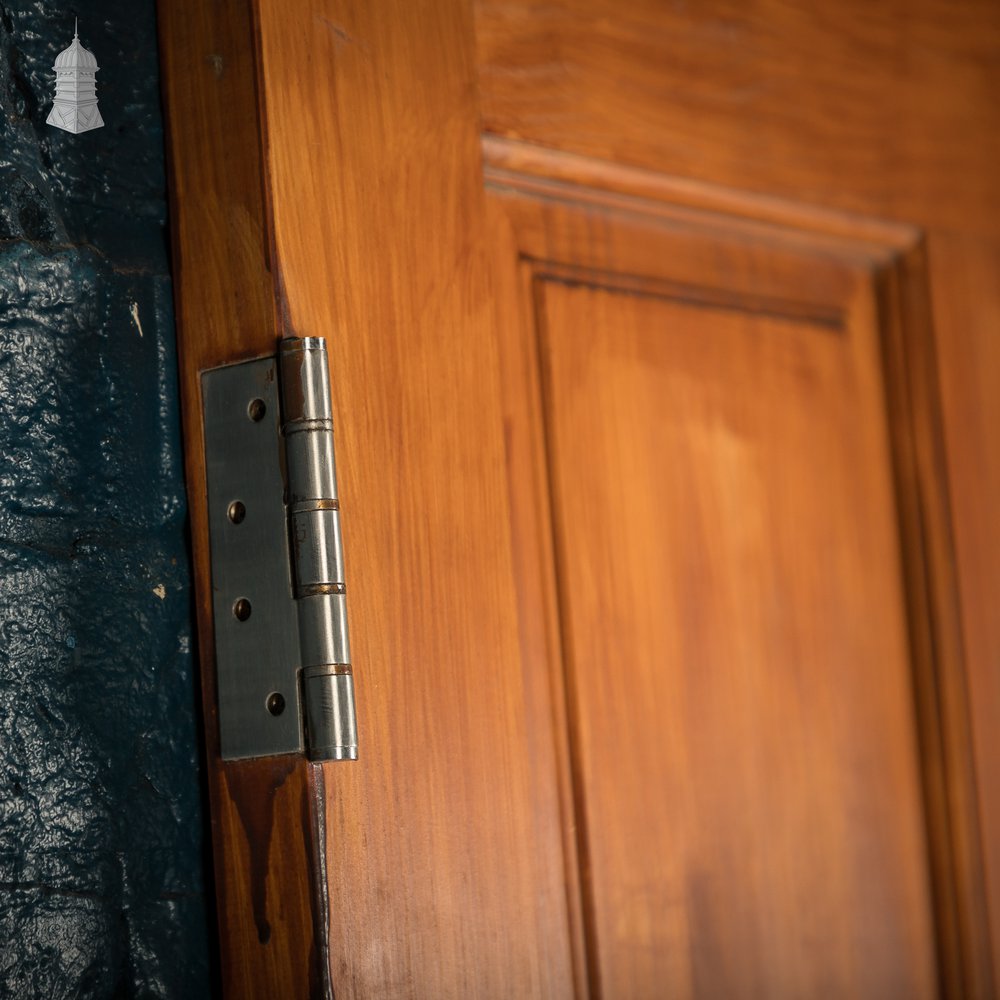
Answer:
(623, 246)
(327, 179)
(882, 109)
(724, 547)
(264, 830)
(943, 708)
(444, 846)
(966, 304)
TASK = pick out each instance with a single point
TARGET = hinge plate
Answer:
(257, 659)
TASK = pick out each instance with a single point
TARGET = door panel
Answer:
(726, 403)
(725, 546)
(883, 108)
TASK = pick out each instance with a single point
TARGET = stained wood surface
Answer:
(265, 831)
(966, 309)
(327, 180)
(737, 649)
(880, 109)
(442, 845)
(625, 246)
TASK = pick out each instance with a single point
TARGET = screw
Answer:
(237, 511)
(275, 703)
(242, 609)
(256, 410)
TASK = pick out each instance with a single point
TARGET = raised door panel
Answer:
(711, 403)
(886, 108)
(735, 638)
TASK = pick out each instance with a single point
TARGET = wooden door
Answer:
(634, 315)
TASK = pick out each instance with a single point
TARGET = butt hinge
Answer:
(283, 659)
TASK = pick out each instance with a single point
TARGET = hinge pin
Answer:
(313, 513)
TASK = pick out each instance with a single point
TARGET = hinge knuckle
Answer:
(323, 630)
(330, 715)
(318, 550)
(309, 459)
(305, 380)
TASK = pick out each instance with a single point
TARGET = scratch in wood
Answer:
(338, 31)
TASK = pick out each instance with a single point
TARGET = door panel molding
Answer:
(583, 222)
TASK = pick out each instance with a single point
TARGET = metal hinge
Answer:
(282, 655)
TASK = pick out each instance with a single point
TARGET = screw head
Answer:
(237, 511)
(242, 609)
(276, 703)
(256, 410)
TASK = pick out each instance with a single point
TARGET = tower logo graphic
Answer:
(75, 106)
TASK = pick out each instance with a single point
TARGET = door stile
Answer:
(266, 840)
(326, 182)
(913, 408)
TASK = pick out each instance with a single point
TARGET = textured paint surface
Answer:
(101, 868)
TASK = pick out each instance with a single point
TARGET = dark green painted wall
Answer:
(102, 879)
